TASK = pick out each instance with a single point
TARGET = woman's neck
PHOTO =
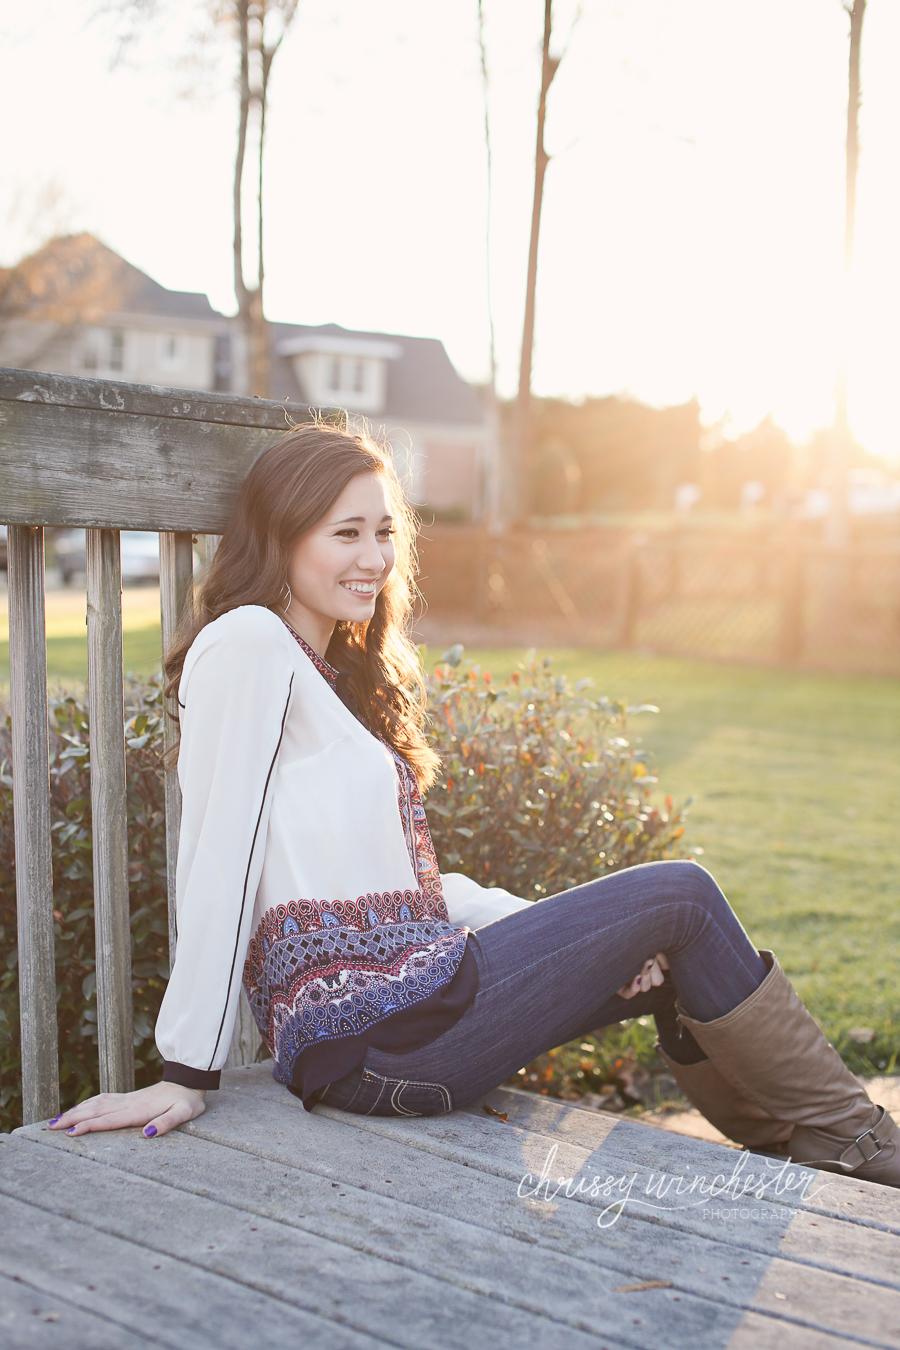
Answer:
(315, 631)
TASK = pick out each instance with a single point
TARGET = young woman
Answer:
(306, 870)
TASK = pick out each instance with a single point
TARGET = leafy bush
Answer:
(70, 805)
(540, 791)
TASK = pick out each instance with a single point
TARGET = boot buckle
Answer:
(858, 1143)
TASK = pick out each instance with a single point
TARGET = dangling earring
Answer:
(289, 599)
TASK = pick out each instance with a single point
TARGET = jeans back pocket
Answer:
(382, 1096)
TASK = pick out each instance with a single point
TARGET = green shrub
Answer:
(540, 791)
(73, 913)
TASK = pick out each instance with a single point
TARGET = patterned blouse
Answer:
(305, 869)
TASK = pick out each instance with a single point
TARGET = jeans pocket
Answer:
(383, 1096)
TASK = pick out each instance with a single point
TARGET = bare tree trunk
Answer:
(517, 459)
(493, 457)
(838, 524)
(241, 290)
(260, 366)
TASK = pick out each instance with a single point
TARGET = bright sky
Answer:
(693, 217)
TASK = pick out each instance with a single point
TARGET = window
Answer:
(103, 351)
(346, 375)
(171, 351)
(222, 364)
(117, 350)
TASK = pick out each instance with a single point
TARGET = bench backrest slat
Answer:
(31, 797)
(115, 456)
(176, 558)
(109, 812)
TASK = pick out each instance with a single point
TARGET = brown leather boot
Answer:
(773, 1053)
(723, 1106)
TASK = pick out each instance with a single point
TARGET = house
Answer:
(76, 307)
(403, 386)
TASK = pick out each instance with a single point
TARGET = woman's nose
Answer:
(370, 557)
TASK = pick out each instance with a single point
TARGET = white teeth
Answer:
(359, 587)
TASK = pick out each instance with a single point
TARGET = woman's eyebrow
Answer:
(353, 520)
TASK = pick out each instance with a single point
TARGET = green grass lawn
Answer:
(67, 636)
(796, 780)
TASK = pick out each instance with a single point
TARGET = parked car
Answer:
(139, 549)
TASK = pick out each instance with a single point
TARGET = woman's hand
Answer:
(651, 974)
(158, 1109)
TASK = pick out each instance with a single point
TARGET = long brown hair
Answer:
(290, 487)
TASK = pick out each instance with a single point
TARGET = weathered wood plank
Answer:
(31, 798)
(35, 1318)
(369, 1290)
(447, 1218)
(176, 561)
(474, 1232)
(249, 1115)
(95, 1280)
(758, 1332)
(112, 920)
(71, 391)
(116, 470)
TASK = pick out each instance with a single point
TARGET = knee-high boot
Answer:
(773, 1053)
(733, 1114)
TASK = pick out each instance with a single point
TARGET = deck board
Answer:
(262, 1219)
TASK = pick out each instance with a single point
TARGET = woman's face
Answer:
(336, 570)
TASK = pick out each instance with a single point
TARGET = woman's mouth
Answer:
(363, 588)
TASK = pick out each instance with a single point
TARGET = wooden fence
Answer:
(105, 457)
(780, 599)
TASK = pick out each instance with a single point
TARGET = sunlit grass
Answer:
(796, 780)
(67, 634)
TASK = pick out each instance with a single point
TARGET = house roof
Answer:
(422, 385)
(78, 277)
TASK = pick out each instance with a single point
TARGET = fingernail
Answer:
(55, 1119)
(150, 1131)
(72, 1131)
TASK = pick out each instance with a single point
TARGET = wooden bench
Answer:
(262, 1222)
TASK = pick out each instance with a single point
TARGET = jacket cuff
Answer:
(187, 1077)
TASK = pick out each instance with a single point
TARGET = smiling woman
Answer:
(336, 571)
(306, 870)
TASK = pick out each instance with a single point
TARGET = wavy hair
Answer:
(291, 486)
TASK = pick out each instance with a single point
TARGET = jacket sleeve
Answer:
(235, 702)
(472, 906)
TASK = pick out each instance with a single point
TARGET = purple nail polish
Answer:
(150, 1131)
(72, 1131)
(55, 1119)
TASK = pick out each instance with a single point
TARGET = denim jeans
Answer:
(550, 973)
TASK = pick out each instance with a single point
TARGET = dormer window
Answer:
(103, 351)
(348, 371)
(347, 375)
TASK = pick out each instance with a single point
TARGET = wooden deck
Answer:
(260, 1224)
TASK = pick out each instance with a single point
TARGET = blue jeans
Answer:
(549, 974)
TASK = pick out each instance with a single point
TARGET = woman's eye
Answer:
(386, 532)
